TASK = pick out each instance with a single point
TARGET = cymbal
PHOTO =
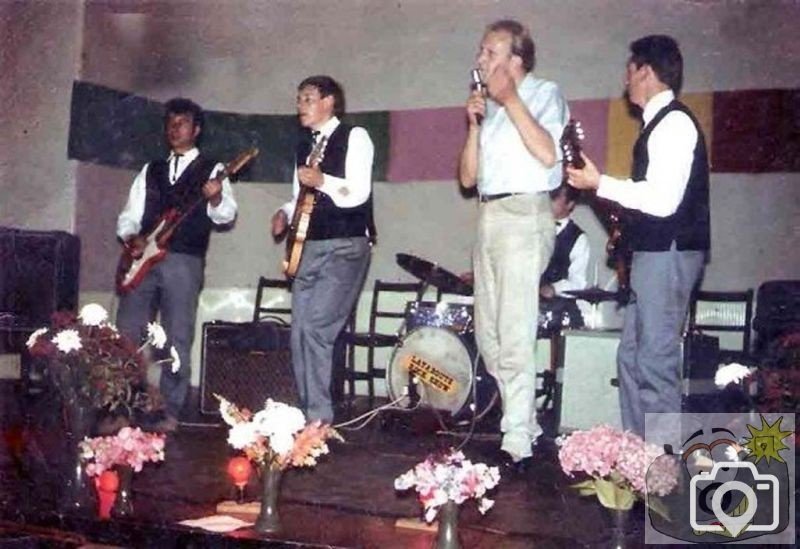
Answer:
(593, 295)
(434, 275)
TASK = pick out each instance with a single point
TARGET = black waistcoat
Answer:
(193, 233)
(689, 226)
(558, 267)
(328, 220)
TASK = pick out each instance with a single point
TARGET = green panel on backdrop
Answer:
(119, 129)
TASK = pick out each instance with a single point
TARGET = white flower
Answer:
(484, 505)
(93, 314)
(731, 373)
(280, 419)
(176, 359)
(156, 335)
(34, 337)
(67, 340)
(242, 435)
(281, 443)
(224, 410)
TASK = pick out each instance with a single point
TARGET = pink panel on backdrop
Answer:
(424, 144)
(593, 115)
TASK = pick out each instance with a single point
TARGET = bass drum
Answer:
(449, 378)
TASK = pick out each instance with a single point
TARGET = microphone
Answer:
(478, 85)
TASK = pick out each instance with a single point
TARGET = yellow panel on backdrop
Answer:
(622, 132)
(623, 129)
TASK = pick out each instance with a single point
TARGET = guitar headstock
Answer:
(233, 167)
(317, 153)
(571, 144)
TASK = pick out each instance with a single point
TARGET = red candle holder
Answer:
(239, 469)
(107, 484)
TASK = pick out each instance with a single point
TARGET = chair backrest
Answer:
(722, 312)
(263, 311)
(389, 300)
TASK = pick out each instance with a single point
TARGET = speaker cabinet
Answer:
(589, 392)
(39, 273)
(246, 363)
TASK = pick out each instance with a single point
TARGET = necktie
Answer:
(175, 157)
(315, 136)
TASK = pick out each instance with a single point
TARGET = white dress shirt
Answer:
(578, 263)
(354, 188)
(129, 222)
(505, 163)
(670, 151)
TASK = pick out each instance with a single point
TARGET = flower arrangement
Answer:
(449, 477)
(131, 447)
(278, 436)
(617, 462)
(90, 360)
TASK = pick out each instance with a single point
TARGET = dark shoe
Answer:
(511, 466)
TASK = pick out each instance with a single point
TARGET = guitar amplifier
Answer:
(589, 390)
(246, 363)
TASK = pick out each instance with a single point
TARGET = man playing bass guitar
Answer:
(336, 250)
(173, 285)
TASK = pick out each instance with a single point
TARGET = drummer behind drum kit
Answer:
(436, 361)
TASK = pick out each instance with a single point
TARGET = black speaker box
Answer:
(246, 363)
(39, 274)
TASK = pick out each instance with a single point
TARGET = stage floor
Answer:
(348, 500)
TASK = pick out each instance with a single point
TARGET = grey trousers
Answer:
(326, 288)
(649, 355)
(514, 244)
(172, 288)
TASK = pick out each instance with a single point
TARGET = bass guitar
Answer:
(301, 220)
(133, 267)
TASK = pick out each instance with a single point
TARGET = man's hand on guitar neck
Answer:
(310, 176)
(212, 190)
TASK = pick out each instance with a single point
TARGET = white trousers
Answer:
(515, 241)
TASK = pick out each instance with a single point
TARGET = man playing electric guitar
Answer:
(336, 250)
(173, 285)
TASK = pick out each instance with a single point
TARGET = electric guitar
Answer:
(131, 268)
(301, 220)
(611, 214)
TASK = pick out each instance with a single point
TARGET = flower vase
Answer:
(123, 504)
(617, 527)
(447, 537)
(77, 490)
(269, 520)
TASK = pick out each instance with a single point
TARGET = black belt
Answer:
(490, 197)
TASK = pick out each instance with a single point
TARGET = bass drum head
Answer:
(441, 362)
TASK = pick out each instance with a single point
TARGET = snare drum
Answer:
(449, 379)
(456, 317)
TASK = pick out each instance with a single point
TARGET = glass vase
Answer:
(77, 491)
(269, 520)
(447, 536)
(123, 504)
(617, 527)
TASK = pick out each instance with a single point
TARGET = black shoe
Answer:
(509, 465)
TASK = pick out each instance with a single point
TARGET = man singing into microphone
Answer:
(511, 153)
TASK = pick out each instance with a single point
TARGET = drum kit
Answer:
(436, 361)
